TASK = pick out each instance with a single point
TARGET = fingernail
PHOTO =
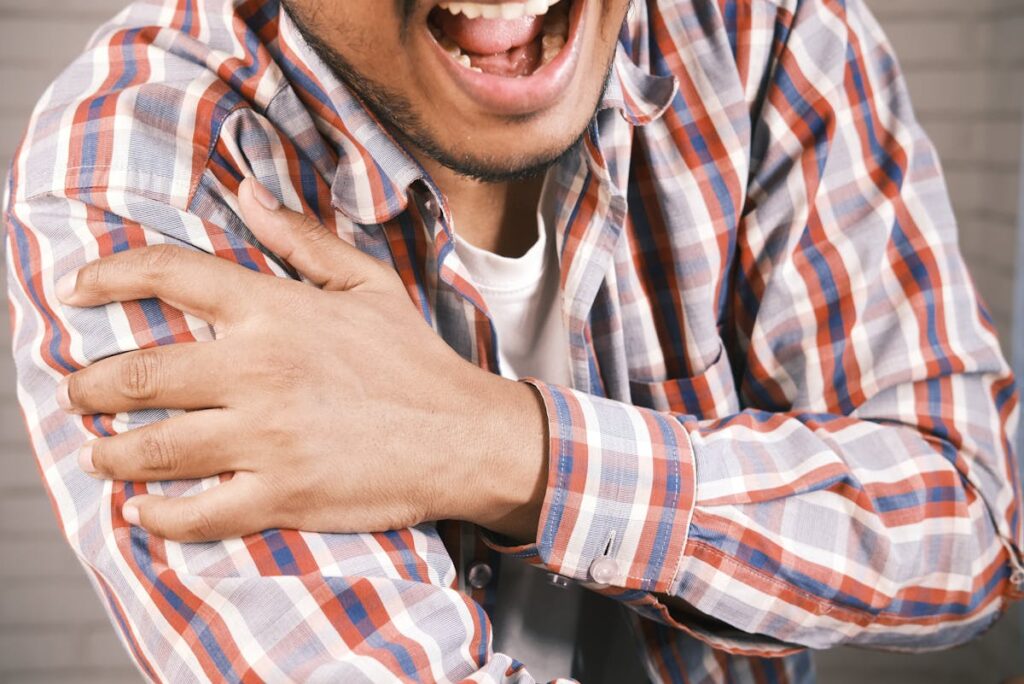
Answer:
(130, 512)
(63, 395)
(66, 286)
(85, 459)
(264, 196)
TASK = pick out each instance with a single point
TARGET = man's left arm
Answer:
(866, 493)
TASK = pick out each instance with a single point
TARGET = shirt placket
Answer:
(591, 220)
(589, 214)
(475, 339)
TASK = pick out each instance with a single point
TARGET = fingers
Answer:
(230, 509)
(178, 376)
(188, 446)
(203, 285)
(313, 250)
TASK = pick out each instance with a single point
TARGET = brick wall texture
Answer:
(965, 65)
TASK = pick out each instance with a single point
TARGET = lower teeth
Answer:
(552, 44)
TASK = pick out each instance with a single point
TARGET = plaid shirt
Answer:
(788, 410)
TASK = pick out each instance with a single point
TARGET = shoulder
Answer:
(140, 110)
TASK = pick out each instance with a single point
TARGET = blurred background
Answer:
(964, 61)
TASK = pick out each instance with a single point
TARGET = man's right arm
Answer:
(282, 605)
(102, 172)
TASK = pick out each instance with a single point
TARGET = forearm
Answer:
(799, 529)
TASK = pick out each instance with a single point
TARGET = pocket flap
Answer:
(709, 394)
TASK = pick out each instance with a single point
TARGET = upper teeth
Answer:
(506, 10)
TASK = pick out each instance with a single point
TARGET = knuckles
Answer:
(198, 525)
(312, 231)
(91, 277)
(147, 262)
(159, 453)
(147, 454)
(135, 375)
(159, 259)
(138, 376)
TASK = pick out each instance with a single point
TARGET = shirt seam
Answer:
(678, 570)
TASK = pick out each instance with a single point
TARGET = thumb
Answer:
(312, 250)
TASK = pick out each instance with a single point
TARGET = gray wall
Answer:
(964, 62)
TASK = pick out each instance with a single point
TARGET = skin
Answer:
(293, 397)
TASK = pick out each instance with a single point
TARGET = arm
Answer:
(863, 490)
(281, 605)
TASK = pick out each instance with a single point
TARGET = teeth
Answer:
(552, 45)
(506, 10)
(552, 41)
(537, 7)
(511, 10)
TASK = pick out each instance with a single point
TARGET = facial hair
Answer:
(399, 117)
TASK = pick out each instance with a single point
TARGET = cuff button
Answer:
(604, 570)
(479, 575)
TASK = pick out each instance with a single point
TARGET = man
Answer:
(662, 298)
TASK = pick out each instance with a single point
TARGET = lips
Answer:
(506, 58)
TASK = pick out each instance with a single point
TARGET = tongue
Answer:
(519, 61)
(489, 36)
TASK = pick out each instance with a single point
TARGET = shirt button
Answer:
(604, 570)
(560, 581)
(480, 575)
(432, 208)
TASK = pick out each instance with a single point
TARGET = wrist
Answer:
(507, 471)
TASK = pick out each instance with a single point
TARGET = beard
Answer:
(399, 117)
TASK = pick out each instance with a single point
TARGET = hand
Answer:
(334, 409)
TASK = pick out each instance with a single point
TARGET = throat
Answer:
(497, 217)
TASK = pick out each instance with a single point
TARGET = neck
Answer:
(498, 217)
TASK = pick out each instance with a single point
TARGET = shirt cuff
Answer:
(620, 493)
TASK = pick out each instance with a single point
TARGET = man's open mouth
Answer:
(511, 40)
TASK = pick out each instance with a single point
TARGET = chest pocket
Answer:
(707, 395)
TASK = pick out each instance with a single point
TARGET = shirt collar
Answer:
(375, 173)
(640, 96)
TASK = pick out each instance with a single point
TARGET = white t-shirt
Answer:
(523, 297)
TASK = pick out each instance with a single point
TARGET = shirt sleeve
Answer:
(865, 491)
